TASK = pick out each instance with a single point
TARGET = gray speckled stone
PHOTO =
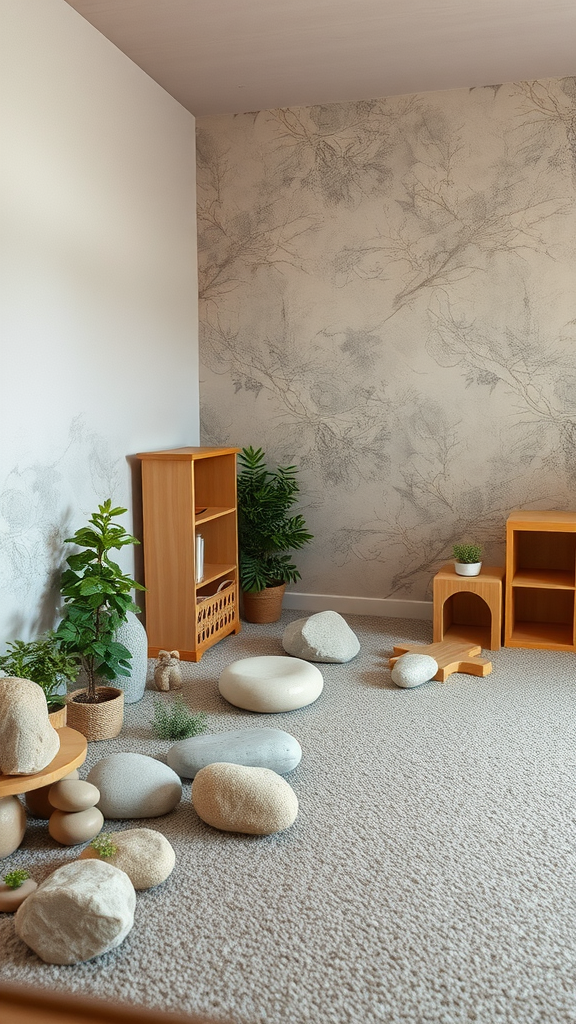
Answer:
(135, 786)
(255, 748)
(413, 670)
(325, 636)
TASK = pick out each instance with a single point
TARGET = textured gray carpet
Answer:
(430, 875)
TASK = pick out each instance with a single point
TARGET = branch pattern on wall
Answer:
(388, 300)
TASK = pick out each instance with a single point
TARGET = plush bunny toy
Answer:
(167, 671)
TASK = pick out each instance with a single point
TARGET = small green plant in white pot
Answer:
(467, 559)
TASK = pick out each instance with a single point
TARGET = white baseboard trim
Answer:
(386, 607)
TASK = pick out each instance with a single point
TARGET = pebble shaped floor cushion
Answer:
(271, 683)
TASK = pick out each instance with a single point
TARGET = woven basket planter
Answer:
(263, 605)
(97, 721)
(58, 717)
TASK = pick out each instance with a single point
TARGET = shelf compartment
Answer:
(544, 550)
(213, 571)
(559, 579)
(557, 636)
(542, 618)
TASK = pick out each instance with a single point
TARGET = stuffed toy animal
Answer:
(167, 671)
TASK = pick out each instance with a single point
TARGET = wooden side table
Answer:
(469, 608)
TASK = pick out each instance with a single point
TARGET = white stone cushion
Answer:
(325, 636)
(413, 670)
(82, 910)
(271, 683)
(236, 798)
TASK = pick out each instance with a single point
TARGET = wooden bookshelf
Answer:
(541, 580)
(186, 491)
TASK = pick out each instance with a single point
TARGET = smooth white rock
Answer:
(256, 748)
(271, 683)
(135, 786)
(145, 855)
(82, 910)
(325, 636)
(235, 798)
(12, 824)
(27, 740)
(413, 670)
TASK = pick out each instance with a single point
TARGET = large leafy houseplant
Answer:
(266, 530)
(44, 662)
(97, 596)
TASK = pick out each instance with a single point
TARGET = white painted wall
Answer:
(99, 344)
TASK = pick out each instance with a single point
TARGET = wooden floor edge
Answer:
(39, 1006)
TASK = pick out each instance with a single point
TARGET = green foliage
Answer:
(467, 553)
(97, 597)
(14, 879)
(43, 661)
(265, 529)
(103, 845)
(175, 722)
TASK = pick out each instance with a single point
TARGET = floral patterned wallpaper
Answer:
(388, 300)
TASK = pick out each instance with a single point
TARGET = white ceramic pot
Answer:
(133, 635)
(468, 568)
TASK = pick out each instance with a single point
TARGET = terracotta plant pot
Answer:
(100, 721)
(263, 605)
(58, 717)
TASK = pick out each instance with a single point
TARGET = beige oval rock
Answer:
(27, 740)
(73, 795)
(10, 899)
(12, 824)
(235, 798)
(83, 909)
(37, 800)
(78, 827)
(145, 855)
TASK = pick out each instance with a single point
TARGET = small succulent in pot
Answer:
(467, 559)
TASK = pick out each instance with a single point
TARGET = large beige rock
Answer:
(145, 855)
(81, 911)
(12, 825)
(27, 740)
(236, 798)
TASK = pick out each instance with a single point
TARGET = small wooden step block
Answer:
(449, 656)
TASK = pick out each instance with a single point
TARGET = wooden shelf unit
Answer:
(186, 491)
(540, 607)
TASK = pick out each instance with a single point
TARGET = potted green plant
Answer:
(97, 597)
(266, 534)
(467, 559)
(44, 662)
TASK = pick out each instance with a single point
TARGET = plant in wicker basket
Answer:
(97, 596)
(266, 530)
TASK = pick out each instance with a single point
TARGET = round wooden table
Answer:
(72, 753)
